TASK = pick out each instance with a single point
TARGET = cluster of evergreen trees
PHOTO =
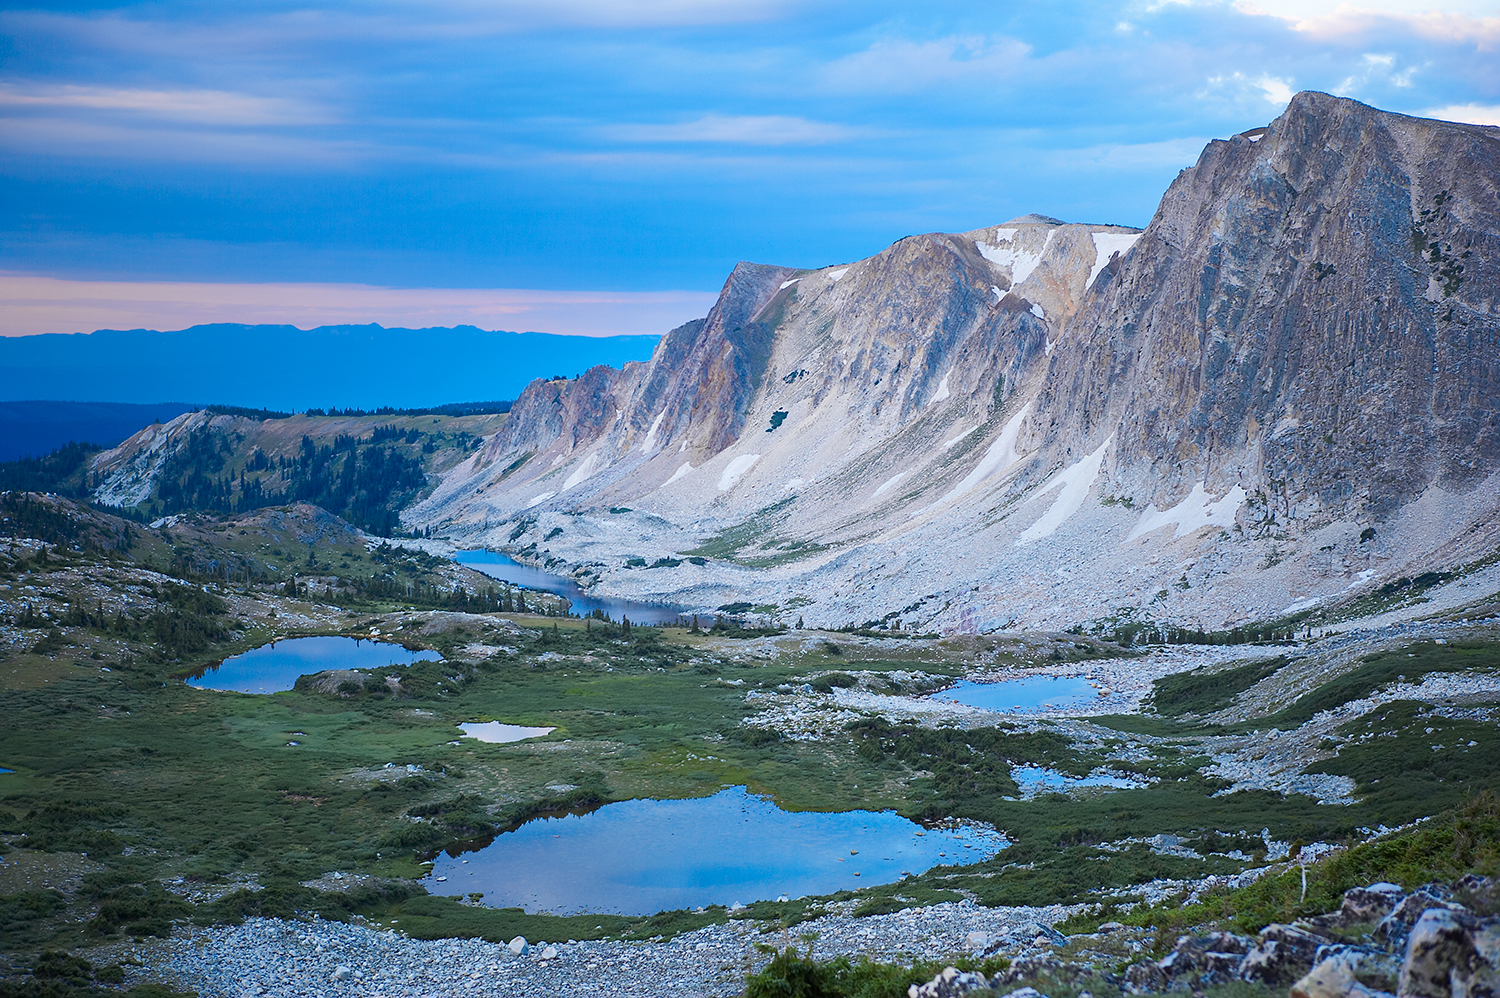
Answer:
(363, 481)
(60, 472)
(190, 621)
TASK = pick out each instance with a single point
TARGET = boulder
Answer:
(341, 973)
(1281, 955)
(1369, 904)
(1394, 928)
(1145, 976)
(1035, 968)
(517, 946)
(1451, 954)
(1336, 977)
(976, 941)
(1226, 942)
(948, 984)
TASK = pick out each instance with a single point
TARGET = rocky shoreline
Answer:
(1439, 941)
(323, 959)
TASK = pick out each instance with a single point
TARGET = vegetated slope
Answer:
(1278, 393)
(364, 468)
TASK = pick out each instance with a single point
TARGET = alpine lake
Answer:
(496, 774)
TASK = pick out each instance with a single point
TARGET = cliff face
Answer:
(1303, 344)
(1312, 307)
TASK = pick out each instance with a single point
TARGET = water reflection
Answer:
(499, 734)
(642, 856)
(277, 666)
(498, 566)
(1031, 693)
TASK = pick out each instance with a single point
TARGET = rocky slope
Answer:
(1279, 394)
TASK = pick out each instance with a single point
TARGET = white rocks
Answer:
(517, 946)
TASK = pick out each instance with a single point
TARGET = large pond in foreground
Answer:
(498, 566)
(275, 667)
(639, 857)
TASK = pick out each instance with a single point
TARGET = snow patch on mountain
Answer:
(650, 441)
(888, 484)
(1106, 245)
(1020, 262)
(1192, 513)
(736, 470)
(583, 471)
(1001, 455)
(1075, 482)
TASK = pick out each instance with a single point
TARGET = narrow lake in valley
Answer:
(275, 667)
(498, 566)
(639, 857)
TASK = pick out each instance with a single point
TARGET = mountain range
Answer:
(1277, 396)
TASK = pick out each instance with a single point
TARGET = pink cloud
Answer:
(32, 304)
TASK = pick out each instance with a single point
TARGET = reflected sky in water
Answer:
(641, 856)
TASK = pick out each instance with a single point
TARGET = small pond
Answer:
(498, 566)
(639, 857)
(276, 666)
(1031, 693)
(499, 734)
(1034, 780)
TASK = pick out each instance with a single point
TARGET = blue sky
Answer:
(642, 145)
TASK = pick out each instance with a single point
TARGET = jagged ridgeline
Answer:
(1278, 395)
(363, 466)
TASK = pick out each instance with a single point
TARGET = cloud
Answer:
(1274, 89)
(904, 66)
(216, 107)
(1169, 153)
(58, 136)
(1463, 22)
(1473, 114)
(31, 304)
(758, 130)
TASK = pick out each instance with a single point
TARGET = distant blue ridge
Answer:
(283, 367)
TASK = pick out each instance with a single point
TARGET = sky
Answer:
(598, 166)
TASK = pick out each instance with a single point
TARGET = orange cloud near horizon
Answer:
(32, 304)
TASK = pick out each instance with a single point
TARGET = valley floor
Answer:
(199, 832)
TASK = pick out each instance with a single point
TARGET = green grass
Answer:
(1464, 839)
(1408, 664)
(1204, 691)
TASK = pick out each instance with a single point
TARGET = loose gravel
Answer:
(320, 959)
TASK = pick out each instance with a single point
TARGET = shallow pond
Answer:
(276, 666)
(498, 566)
(499, 734)
(1034, 780)
(1031, 693)
(639, 857)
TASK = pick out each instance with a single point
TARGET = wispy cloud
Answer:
(1473, 114)
(905, 66)
(1459, 22)
(211, 107)
(755, 130)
